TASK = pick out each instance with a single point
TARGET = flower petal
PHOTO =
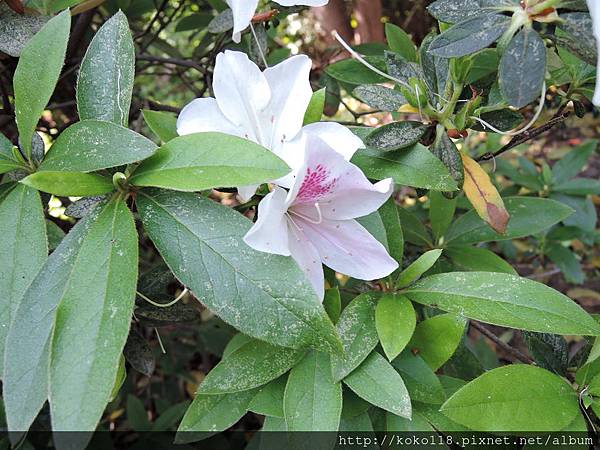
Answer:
(290, 96)
(594, 7)
(203, 114)
(243, 11)
(307, 257)
(245, 193)
(340, 188)
(348, 248)
(242, 93)
(270, 232)
(340, 138)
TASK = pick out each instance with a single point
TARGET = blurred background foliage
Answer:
(171, 349)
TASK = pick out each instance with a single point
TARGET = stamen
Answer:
(260, 50)
(163, 305)
(364, 62)
(308, 219)
(516, 132)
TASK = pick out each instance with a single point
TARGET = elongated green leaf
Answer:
(441, 213)
(163, 124)
(380, 97)
(506, 300)
(264, 296)
(573, 162)
(93, 145)
(252, 365)
(393, 229)
(23, 249)
(414, 166)
(514, 398)
(522, 68)
(400, 42)
(477, 259)
(396, 135)
(414, 230)
(313, 400)
(314, 112)
(395, 320)
(452, 11)
(529, 215)
(69, 184)
(376, 381)
(422, 383)
(16, 29)
(27, 355)
(419, 267)
(436, 339)
(211, 414)
(37, 73)
(356, 328)
(469, 36)
(353, 72)
(92, 321)
(105, 83)
(268, 401)
(207, 160)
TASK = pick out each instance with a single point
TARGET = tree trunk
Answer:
(332, 17)
(368, 15)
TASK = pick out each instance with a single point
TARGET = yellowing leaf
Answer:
(408, 109)
(484, 196)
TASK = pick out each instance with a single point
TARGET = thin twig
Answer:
(173, 61)
(500, 343)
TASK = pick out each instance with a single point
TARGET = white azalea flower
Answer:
(314, 221)
(244, 10)
(266, 107)
(594, 7)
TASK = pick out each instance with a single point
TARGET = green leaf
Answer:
(422, 383)
(477, 259)
(573, 162)
(435, 70)
(333, 304)
(163, 124)
(69, 184)
(314, 112)
(393, 229)
(138, 353)
(380, 97)
(17, 29)
(400, 42)
(446, 151)
(269, 399)
(194, 22)
(510, 398)
(36, 75)
(208, 160)
(419, 267)
(441, 213)
(436, 339)
(92, 320)
(137, 417)
(71, 272)
(313, 400)
(211, 414)
(92, 145)
(252, 365)
(576, 186)
(105, 83)
(550, 351)
(376, 381)
(396, 135)
(567, 262)
(484, 63)
(264, 296)
(415, 166)
(505, 300)
(8, 164)
(55, 235)
(353, 72)
(529, 215)
(452, 11)
(413, 229)
(395, 320)
(416, 423)
(356, 328)
(580, 26)
(470, 35)
(23, 248)
(374, 225)
(523, 68)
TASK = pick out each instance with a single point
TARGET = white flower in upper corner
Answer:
(314, 221)
(266, 107)
(244, 10)
(594, 7)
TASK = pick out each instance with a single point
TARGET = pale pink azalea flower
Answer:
(314, 222)
(265, 107)
(594, 7)
(244, 10)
